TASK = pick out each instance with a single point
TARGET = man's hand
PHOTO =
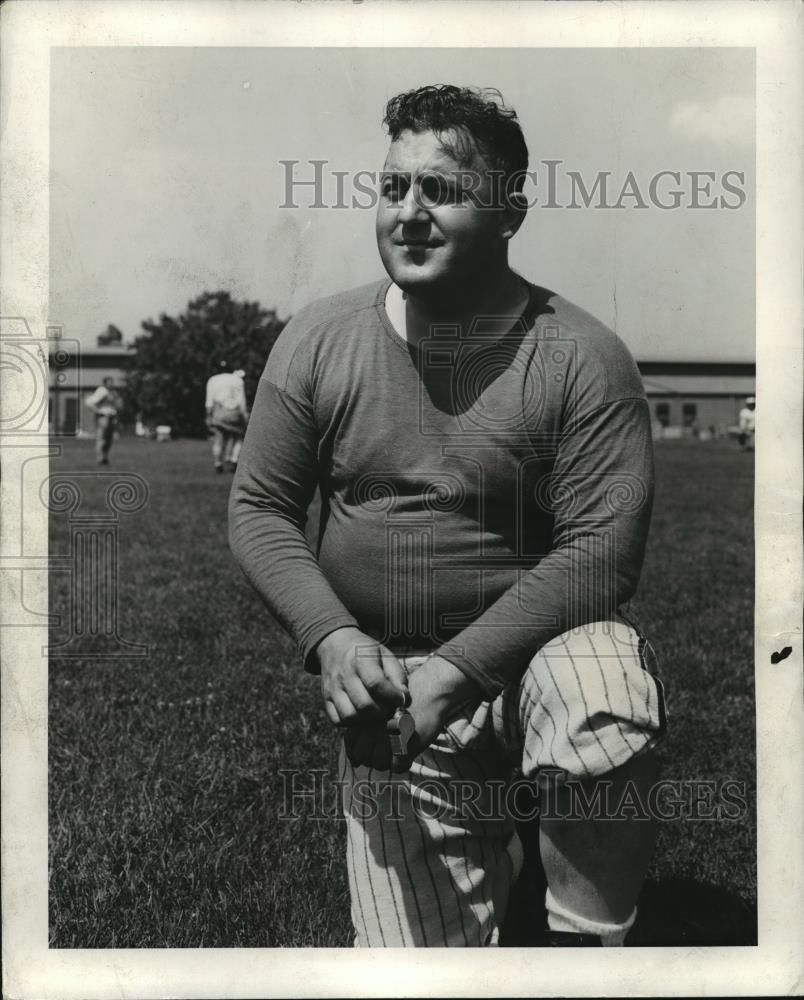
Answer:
(362, 682)
(437, 689)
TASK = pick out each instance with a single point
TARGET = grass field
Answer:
(165, 791)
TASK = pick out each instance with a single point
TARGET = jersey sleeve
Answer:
(277, 475)
(599, 495)
(97, 397)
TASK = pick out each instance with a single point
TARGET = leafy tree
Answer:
(166, 380)
(111, 335)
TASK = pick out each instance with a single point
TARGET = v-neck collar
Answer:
(527, 317)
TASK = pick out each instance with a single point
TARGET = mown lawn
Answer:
(165, 787)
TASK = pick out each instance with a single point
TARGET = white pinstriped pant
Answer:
(432, 854)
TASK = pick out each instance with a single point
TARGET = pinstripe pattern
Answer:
(472, 883)
(433, 881)
(398, 901)
(594, 691)
(587, 703)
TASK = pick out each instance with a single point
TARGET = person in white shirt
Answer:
(105, 404)
(227, 415)
(748, 423)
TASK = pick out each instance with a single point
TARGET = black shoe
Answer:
(567, 939)
(219, 469)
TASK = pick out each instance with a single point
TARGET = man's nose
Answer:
(411, 209)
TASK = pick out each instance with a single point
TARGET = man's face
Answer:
(434, 237)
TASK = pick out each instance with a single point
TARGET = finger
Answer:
(383, 691)
(332, 713)
(396, 673)
(344, 708)
(363, 703)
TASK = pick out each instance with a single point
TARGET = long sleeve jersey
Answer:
(480, 493)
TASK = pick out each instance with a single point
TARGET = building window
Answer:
(663, 414)
(69, 424)
(689, 411)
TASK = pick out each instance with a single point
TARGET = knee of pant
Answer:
(589, 700)
(560, 665)
(607, 646)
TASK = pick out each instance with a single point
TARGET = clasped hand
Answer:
(363, 684)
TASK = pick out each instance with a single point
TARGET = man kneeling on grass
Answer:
(483, 450)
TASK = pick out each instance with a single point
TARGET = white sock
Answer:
(561, 919)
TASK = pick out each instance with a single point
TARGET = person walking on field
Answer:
(748, 423)
(227, 416)
(484, 456)
(105, 404)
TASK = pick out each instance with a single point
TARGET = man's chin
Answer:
(416, 280)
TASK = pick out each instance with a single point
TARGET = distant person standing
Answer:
(227, 415)
(105, 403)
(748, 423)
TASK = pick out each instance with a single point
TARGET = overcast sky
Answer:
(166, 180)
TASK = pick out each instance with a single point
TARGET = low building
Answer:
(689, 397)
(74, 376)
(697, 396)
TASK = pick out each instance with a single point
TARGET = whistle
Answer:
(400, 728)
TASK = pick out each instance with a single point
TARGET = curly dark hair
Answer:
(479, 119)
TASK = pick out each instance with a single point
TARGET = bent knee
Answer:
(591, 700)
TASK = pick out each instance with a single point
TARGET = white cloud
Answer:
(726, 119)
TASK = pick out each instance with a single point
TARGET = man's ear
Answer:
(513, 214)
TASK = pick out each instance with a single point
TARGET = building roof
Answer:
(111, 350)
(704, 385)
(698, 368)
